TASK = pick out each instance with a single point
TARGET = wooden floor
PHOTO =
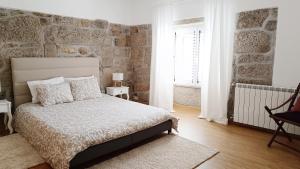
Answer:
(240, 148)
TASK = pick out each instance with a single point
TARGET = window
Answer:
(187, 55)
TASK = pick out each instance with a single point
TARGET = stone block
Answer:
(254, 58)
(108, 41)
(98, 36)
(252, 42)
(16, 12)
(83, 50)
(252, 19)
(20, 29)
(137, 54)
(120, 62)
(255, 71)
(34, 51)
(121, 41)
(271, 25)
(62, 20)
(142, 86)
(115, 29)
(3, 13)
(134, 29)
(85, 23)
(107, 61)
(148, 54)
(45, 21)
(107, 77)
(102, 24)
(68, 35)
(121, 52)
(41, 14)
(67, 50)
(138, 39)
(274, 12)
(107, 52)
(50, 50)
(254, 81)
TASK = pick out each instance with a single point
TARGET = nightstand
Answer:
(5, 107)
(114, 91)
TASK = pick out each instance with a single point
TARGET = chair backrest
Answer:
(294, 97)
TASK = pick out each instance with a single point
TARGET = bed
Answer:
(71, 134)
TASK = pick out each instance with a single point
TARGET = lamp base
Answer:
(117, 83)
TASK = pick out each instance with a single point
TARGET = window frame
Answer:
(198, 27)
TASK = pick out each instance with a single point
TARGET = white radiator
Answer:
(249, 105)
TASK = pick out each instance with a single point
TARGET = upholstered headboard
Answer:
(27, 69)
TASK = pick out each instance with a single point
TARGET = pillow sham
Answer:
(54, 94)
(85, 89)
(34, 84)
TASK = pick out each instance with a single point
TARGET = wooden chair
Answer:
(285, 117)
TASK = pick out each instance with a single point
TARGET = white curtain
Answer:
(161, 78)
(217, 60)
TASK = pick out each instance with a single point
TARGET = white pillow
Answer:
(34, 84)
(85, 89)
(68, 79)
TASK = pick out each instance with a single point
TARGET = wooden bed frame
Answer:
(100, 150)
(26, 69)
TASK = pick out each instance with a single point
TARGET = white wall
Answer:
(287, 53)
(183, 9)
(116, 11)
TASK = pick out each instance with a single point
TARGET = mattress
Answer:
(59, 132)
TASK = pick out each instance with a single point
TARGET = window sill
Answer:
(187, 85)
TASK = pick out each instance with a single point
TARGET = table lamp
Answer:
(117, 79)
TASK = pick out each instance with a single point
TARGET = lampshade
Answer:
(117, 76)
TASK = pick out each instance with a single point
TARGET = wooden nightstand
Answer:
(114, 91)
(5, 107)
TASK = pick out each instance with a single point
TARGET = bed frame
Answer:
(109, 147)
(26, 69)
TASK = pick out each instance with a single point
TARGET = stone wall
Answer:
(254, 46)
(120, 48)
(254, 49)
(189, 96)
(140, 42)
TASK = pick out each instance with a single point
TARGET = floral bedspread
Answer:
(59, 132)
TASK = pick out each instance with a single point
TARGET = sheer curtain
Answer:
(161, 78)
(217, 59)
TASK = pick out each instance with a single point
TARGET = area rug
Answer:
(166, 152)
(16, 153)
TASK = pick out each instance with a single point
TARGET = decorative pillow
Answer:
(85, 89)
(54, 94)
(34, 84)
(296, 107)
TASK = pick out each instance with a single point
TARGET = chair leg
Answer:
(275, 134)
(283, 130)
(273, 137)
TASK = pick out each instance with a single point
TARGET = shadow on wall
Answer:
(188, 96)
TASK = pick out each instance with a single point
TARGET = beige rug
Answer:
(167, 152)
(16, 153)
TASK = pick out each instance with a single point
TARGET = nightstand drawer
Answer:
(117, 90)
(3, 108)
